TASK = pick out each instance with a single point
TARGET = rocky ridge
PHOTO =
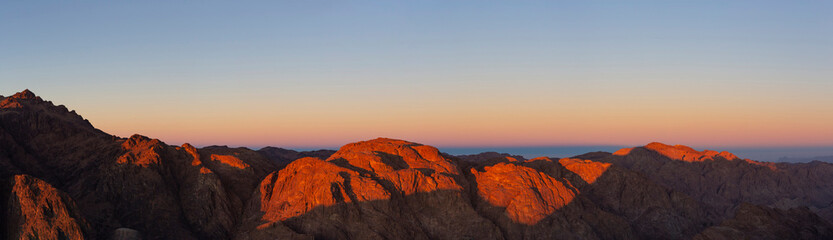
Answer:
(61, 177)
(724, 181)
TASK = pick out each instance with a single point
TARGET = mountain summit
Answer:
(681, 152)
(25, 94)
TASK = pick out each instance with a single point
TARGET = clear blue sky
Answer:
(457, 73)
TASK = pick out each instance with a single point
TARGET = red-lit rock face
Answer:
(38, 209)
(409, 166)
(382, 188)
(141, 151)
(14, 101)
(527, 194)
(309, 183)
(681, 153)
(579, 199)
(588, 170)
(229, 160)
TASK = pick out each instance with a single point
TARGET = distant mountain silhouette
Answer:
(808, 159)
(61, 178)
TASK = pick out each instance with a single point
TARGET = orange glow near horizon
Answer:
(507, 123)
(473, 114)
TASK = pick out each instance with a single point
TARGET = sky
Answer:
(308, 74)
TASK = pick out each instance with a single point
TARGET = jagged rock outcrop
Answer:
(36, 210)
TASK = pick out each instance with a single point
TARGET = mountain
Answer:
(487, 156)
(61, 178)
(723, 181)
(808, 159)
(284, 156)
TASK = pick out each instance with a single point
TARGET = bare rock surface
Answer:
(759, 222)
(378, 189)
(61, 178)
(36, 210)
(723, 181)
(581, 199)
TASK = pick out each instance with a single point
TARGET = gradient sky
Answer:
(445, 73)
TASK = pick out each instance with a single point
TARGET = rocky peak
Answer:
(15, 101)
(138, 140)
(193, 152)
(25, 94)
(385, 154)
(44, 117)
(239, 158)
(141, 151)
(681, 152)
(190, 149)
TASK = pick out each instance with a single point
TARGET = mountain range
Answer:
(61, 178)
(806, 159)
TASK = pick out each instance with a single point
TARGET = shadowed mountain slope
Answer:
(759, 222)
(723, 181)
(281, 157)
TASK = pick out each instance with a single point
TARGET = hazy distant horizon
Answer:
(766, 154)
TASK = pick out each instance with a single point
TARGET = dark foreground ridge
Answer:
(60, 178)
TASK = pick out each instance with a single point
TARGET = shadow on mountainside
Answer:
(576, 210)
(376, 189)
(616, 204)
(724, 183)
